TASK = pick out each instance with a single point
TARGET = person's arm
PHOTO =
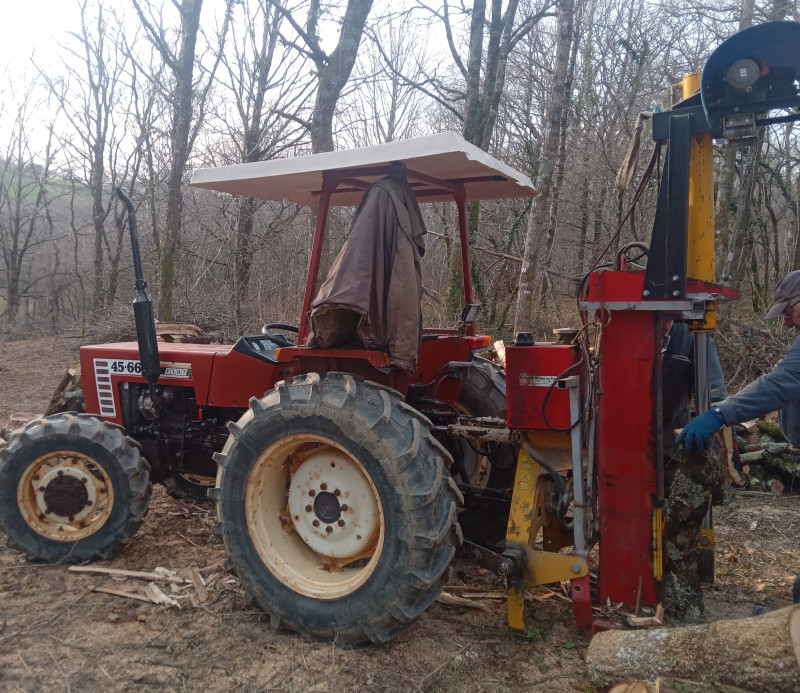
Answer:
(772, 391)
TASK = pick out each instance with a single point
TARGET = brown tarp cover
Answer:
(372, 296)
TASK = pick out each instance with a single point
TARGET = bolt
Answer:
(324, 487)
(676, 293)
(345, 507)
(575, 568)
(36, 477)
(315, 523)
(675, 277)
(102, 489)
(312, 493)
(337, 492)
(705, 541)
(41, 488)
(88, 502)
(329, 529)
(333, 464)
(309, 508)
(60, 472)
(340, 523)
(645, 293)
(84, 480)
(41, 516)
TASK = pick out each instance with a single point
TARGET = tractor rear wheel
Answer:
(336, 508)
(72, 488)
(492, 465)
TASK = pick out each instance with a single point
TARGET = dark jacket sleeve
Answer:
(772, 391)
(718, 389)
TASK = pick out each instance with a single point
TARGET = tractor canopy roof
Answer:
(446, 157)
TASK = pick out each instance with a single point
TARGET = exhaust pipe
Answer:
(143, 308)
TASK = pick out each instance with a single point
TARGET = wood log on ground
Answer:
(68, 395)
(699, 483)
(754, 654)
(184, 333)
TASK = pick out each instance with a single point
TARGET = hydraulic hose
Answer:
(562, 487)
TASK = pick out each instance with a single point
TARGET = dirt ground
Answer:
(57, 634)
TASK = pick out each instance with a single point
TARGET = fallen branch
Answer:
(122, 593)
(165, 576)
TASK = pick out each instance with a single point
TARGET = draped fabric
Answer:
(372, 296)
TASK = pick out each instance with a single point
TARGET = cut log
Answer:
(699, 483)
(755, 654)
(181, 332)
(750, 426)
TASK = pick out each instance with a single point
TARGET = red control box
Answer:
(530, 372)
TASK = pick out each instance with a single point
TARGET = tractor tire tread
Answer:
(134, 473)
(411, 459)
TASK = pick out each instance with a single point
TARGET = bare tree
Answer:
(333, 69)
(258, 75)
(88, 96)
(188, 109)
(26, 179)
(538, 219)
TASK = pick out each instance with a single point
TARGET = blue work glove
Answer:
(697, 434)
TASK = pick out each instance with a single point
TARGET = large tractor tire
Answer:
(336, 508)
(491, 465)
(72, 488)
(483, 393)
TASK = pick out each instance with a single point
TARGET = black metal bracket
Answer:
(665, 277)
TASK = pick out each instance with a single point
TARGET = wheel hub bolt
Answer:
(345, 507)
(329, 529)
(309, 508)
(312, 493)
(340, 523)
(315, 523)
(337, 492)
(324, 487)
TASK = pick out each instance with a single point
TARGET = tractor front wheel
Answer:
(72, 488)
(336, 508)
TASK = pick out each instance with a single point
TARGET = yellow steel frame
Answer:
(528, 513)
(700, 261)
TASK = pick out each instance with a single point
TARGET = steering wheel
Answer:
(280, 339)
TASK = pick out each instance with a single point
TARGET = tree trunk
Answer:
(754, 654)
(722, 208)
(537, 221)
(334, 73)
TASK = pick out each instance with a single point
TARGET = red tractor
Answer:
(336, 471)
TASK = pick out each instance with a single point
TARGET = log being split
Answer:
(756, 654)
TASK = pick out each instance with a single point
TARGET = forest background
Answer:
(144, 92)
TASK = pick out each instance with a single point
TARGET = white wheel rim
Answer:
(65, 496)
(317, 542)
